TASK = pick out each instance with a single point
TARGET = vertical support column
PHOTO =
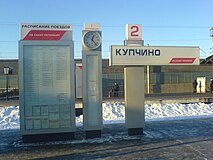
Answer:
(148, 79)
(134, 99)
(92, 80)
(134, 86)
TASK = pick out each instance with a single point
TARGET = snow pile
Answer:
(9, 117)
(177, 111)
(112, 113)
(115, 113)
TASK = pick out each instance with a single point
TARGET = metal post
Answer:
(6, 72)
(148, 78)
(7, 86)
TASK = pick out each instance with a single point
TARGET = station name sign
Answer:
(46, 31)
(154, 55)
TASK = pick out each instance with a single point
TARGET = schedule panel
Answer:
(47, 87)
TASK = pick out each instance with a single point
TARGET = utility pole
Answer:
(211, 35)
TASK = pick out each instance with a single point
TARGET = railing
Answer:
(12, 93)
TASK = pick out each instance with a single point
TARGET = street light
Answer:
(7, 71)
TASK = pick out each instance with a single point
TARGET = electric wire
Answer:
(122, 26)
(119, 26)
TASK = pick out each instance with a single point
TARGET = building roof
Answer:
(208, 60)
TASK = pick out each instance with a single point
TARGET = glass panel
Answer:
(188, 77)
(167, 78)
(152, 78)
(180, 77)
(173, 77)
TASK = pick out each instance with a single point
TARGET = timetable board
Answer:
(47, 87)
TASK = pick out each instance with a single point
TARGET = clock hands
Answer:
(92, 39)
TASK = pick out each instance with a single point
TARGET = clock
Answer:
(92, 39)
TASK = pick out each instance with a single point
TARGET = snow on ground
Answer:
(9, 117)
(115, 113)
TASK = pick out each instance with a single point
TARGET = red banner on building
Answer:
(182, 60)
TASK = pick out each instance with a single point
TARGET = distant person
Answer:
(194, 86)
(116, 88)
(211, 86)
(110, 92)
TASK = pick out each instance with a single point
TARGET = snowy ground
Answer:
(115, 113)
(181, 138)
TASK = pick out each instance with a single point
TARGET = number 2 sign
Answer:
(133, 31)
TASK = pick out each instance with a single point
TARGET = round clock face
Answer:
(92, 39)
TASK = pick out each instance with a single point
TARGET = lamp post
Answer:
(7, 72)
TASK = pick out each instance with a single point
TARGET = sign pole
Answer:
(134, 86)
(134, 55)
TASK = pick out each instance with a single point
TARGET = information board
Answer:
(47, 87)
(154, 55)
(44, 32)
